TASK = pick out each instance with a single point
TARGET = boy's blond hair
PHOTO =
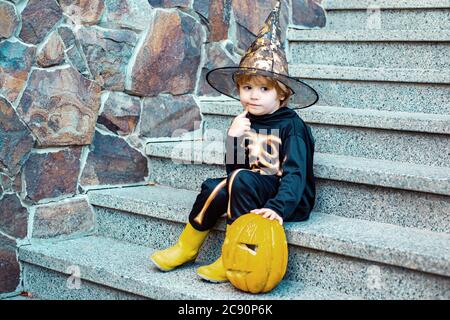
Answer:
(282, 90)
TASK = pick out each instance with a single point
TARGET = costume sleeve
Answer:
(235, 154)
(293, 179)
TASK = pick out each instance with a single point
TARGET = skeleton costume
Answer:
(271, 166)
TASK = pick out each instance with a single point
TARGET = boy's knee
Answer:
(240, 180)
(208, 185)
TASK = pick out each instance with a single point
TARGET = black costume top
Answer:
(279, 144)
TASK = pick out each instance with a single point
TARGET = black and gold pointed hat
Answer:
(264, 57)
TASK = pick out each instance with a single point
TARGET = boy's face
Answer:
(258, 99)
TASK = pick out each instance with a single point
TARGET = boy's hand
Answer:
(269, 214)
(239, 125)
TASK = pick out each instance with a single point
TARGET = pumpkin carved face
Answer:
(255, 253)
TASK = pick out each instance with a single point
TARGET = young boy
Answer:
(269, 156)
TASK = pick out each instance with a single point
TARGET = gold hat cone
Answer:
(266, 52)
(265, 57)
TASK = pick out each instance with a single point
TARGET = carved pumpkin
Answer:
(255, 253)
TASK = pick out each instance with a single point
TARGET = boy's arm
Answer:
(235, 154)
(293, 180)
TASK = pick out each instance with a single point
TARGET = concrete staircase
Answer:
(380, 228)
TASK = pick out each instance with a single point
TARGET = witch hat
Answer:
(264, 57)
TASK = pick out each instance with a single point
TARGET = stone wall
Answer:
(85, 83)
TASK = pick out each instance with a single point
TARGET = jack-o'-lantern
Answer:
(255, 253)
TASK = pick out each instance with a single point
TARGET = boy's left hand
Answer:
(269, 214)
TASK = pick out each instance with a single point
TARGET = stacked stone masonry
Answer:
(97, 94)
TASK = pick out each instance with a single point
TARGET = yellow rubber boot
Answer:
(214, 272)
(185, 250)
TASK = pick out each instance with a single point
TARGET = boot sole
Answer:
(212, 280)
(160, 268)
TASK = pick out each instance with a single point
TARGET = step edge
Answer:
(371, 35)
(333, 72)
(358, 4)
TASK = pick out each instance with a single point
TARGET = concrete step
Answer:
(389, 89)
(383, 173)
(322, 250)
(340, 116)
(386, 14)
(410, 49)
(396, 136)
(379, 190)
(385, 4)
(333, 72)
(111, 269)
(300, 35)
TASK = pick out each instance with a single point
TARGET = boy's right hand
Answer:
(240, 125)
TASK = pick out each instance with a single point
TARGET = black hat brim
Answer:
(222, 80)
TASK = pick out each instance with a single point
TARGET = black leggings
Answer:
(249, 190)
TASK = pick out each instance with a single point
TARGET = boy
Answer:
(269, 157)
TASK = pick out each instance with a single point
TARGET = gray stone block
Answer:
(387, 205)
(46, 284)
(371, 35)
(332, 115)
(381, 95)
(407, 90)
(401, 146)
(126, 267)
(406, 176)
(403, 4)
(388, 19)
(409, 75)
(426, 55)
(386, 15)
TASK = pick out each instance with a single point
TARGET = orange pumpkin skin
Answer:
(255, 253)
